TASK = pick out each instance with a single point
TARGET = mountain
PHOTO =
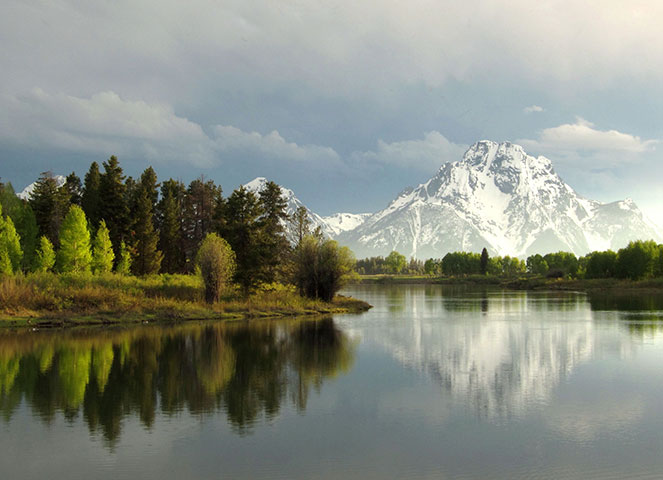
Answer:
(27, 191)
(501, 198)
(344, 222)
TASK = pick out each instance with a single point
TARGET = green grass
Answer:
(50, 299)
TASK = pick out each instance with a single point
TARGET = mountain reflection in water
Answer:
(246, 370)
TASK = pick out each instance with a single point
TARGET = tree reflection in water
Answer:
(245, 369)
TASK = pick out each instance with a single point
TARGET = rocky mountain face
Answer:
(501, 198)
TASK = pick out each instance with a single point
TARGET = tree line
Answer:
(640, 259)
(111, 222)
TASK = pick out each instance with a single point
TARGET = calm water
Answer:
(431, 383)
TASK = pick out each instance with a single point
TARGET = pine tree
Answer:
(74, 188)
(484, 262)
(43, 203)
(124, 262)
(113, 206)
(102, 251)
(241, 230)
(74, 254)
(273, 243)
(147, 258)
(170, 226)
(45, 257)
(302, 223)
(90, 197)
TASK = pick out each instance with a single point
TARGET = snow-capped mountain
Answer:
(344, 222)
(501, 198)
(293, 203)
(27, 191)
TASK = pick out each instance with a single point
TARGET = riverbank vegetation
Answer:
(115, 246)
(639, 265)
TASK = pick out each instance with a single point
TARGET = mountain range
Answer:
(497, 196)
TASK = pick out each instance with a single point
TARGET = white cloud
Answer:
(424, 155)
(533, 109)
(272, 145)
(582, 136)
(104, 124)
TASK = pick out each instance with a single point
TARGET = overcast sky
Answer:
(345, 102)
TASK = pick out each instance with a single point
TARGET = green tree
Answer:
(274, 246)
(216, 261)
(431, 266)
(302, 223)
(124, 263)
(562, 264)
(72, 186)
(12, 243)
(483, 268)
(170, 215)
(74, 254)
(321, 267)
(637, 260)
(43, 204)
(147, 258)
(601, 264)
(102, 251)
(241, 230)
(90, 197)
(113, 207)
(537, 265)
(45, 258)
(395, 262)
(24, 220)
(201, 201)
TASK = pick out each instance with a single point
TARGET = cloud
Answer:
(425, 155)
(228, 139)
(104, 124)
(533, 109)
(582, 136)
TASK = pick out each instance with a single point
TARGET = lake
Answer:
(433, 382)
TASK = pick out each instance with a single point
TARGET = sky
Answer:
(345, 102)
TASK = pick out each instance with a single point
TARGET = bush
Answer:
(216, 261)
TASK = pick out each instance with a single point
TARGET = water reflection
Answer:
(245, 370)
(499, 353)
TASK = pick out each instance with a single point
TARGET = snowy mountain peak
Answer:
(27, 191)
(499, 197)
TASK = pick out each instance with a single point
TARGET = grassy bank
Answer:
(524, 282)
(59, 300)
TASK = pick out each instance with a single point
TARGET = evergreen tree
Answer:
(273, 244)
(73, 187)
(241, 230)
(45, 257)
(24, 221)
(90, 197)
(74, 254)
(484, 262)
(202, 198)
(113, 206)
(43, 203)
(302, 223)
(124, 262)
(170, 226)
(147, 258)
(102, 251)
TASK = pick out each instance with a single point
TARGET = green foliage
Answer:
(90, 200)
(147, 258)
(537, 265)
(216, 261)
(102, 251)
(600, 264)
(637, 260)
(562, 264)
(395, 262)
(461, 263)
(45, 258)
(200, 208)
(43, 203)
(432, 267)
(170, 214)
(124, 264)
(273, 244)
(301, 223)
(11, 242)
(483, 265)
(74, 254)
(113, 206)
(320, 267)
(24, 221)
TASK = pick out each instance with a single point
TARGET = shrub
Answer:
(216, 261)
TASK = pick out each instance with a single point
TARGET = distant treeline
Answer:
(639, 260)
(110, 222)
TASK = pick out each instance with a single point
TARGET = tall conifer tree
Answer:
(90, 197)
(113, 203)
(45, 257)
(102, 251)
(74, 254)
(170, 226)
(43, 203)
(273, 243)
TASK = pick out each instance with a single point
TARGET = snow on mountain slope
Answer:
(27, 191)
(344, 222)
(500, 198)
